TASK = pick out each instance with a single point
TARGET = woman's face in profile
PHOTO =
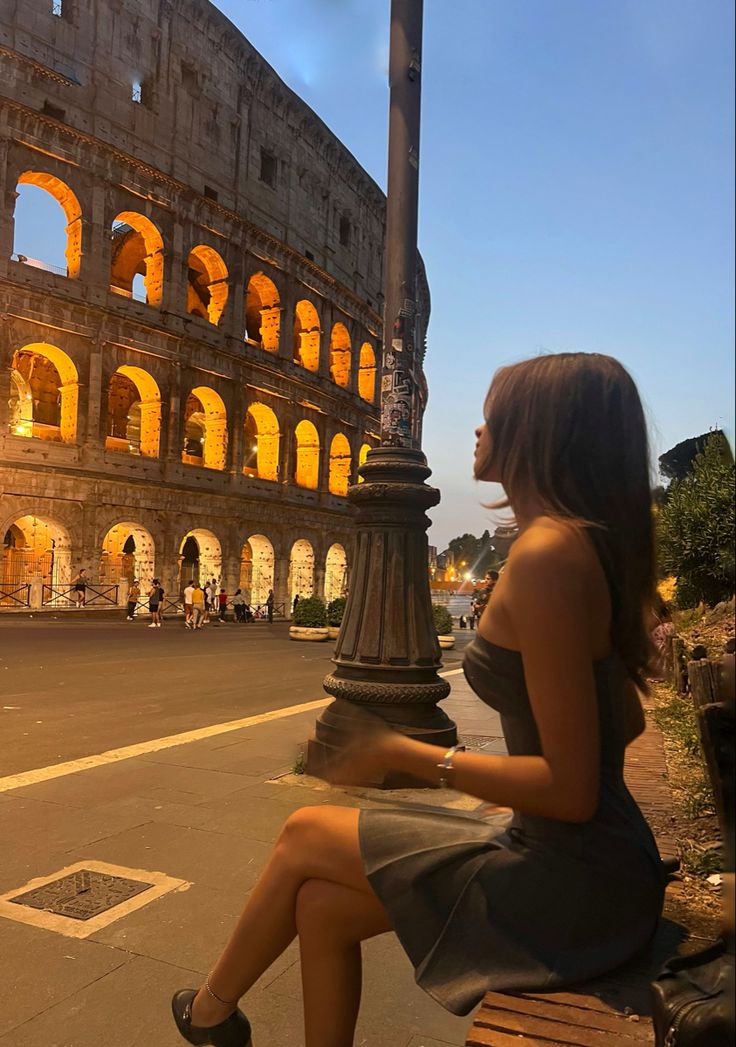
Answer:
(483, 447)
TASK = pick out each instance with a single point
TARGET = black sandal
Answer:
(233, 1032)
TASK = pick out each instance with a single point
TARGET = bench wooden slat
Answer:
(575, 1034)
(600, 1017)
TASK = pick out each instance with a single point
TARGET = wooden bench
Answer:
(609, 1011)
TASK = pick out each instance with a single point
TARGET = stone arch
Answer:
(35, 547)
(200, 557)
(263, 312)
(336, 572)
(340, 355)
(128, 551)
(340, 465)
(301, 570)
(137, 253)
(44, 393)
(256, 569)
(205, 429)
(306, 335)
(207, 287)
(306, 469)
(261, 443)
(69, 204)
(133, 412)
(362, 456)
(367, 373)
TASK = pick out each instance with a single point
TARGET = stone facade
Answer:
(196, 390)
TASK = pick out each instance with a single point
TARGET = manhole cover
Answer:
(82, 894)
(477, 741)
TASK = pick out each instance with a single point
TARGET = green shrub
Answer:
(695, 529)
(442, 619)
(335, 611)
(310, 613)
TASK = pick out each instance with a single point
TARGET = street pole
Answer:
(387, 656)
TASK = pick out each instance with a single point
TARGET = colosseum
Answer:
(192, 394)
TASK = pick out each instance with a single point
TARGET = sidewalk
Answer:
(206, 813)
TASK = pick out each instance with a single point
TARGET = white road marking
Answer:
(127, 752)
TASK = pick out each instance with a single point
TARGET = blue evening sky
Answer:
(576, 192)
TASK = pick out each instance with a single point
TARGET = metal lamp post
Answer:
(387, 656)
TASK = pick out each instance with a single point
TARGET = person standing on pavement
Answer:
(79, 588)
(198, 606)
(188, 592)
(134, 595)
(269, 606)
(207, 596)
(222, 601)
(155, 599)
(239, 605)
(297, 598)
(566, 885)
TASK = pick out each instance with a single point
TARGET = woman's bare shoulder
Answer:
(550, 545)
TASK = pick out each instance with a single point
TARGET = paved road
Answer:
(76, 687)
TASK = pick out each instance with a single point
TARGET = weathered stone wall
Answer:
(216, 154)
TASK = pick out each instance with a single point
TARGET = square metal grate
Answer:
(82, 894)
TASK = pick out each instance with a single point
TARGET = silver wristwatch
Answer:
(445, 767)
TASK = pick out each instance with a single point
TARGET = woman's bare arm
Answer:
(546, 602)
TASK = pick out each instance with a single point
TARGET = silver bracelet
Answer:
(445, 767)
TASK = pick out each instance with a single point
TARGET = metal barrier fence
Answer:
(259, 612)
(19, 596)
(67, 595)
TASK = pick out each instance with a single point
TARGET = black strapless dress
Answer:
(513, 902)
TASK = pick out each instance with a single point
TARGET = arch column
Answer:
(319, 577)
(175, 420)
(69, 411)
(237, 421)
(93, 435)
(281, 579)
(7, 225)
(150, 428)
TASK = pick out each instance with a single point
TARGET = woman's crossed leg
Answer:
(313, 885)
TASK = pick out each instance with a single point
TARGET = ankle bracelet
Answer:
(213, 994)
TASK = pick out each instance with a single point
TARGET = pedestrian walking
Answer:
(198, 606)
(239, 605)
(222, 602)
(295, 603)
(188, 593)
(208, 596)
(79, 588)
(269, 606)
(155, 599)
(562, 882)
(134, 594)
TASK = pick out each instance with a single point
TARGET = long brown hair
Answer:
(569, 429)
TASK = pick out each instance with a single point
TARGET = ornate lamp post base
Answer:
(387, 656)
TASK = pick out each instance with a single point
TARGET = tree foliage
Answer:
(677, 463)
(696, 527)
(478, 554)
(335, 611)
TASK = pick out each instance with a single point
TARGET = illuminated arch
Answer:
(35, 547)
(306, 470)
(301, 570)
(128, 551)
(336, 572)
(362, 455)
(340, 355)
(263, 313)
(205, 429)
(261, 443)
(207, 288)
(340, 465)
(256, 569)
(69, 204)
(367, 373)
(306, 335)
(200, 558)
(44, 393)
(133, 412)
(137, 252)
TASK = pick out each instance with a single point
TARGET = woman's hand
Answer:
(372, 750)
